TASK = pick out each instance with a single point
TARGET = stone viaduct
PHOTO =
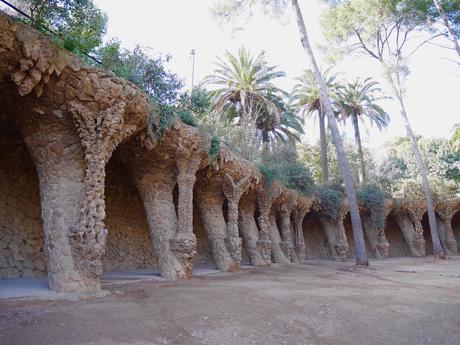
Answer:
(84, 188)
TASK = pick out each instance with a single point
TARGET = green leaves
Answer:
(80, 23)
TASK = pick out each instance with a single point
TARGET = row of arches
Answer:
(129, 244)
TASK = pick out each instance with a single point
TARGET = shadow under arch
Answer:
(316, 243)
(398, 246)
(204, 255)
(129, 244)
(21, 227)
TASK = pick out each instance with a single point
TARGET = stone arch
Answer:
(21, 228)
(129, 244)
(316, 243)
(398, 245)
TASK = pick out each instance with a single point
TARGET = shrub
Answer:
(373, 198)
(331, 198)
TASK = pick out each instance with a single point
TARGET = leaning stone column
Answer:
(298, 215)
(209, 199)
(248, 229)
(284, 212)
(411, 236)
(58, 156)
(335, 233)
(100, 133)
(264, 244)
(416, 213)
(374, 228)
(446, 211)
(233, 192)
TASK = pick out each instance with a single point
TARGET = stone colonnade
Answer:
(73, 118)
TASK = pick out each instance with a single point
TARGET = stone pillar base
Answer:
(184, 249)
(286, 247)
(265, 250)
(300, 249)
(234, 247)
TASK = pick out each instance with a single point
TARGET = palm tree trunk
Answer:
(359, 148)
(437, 249)
(450, 32)
(361, 255)
(323, 147)
(265, 146)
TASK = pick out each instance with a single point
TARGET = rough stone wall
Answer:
(21, 234)
(129, 245)
(316, 244)
(398, 246)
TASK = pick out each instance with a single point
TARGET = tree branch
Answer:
(422, 43)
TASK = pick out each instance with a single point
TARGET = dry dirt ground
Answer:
(396, 301)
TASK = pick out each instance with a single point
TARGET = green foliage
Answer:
(360, 98)
(283, 165)
(161, 117)
(373, 198)
(429, 15)
(310, 155)
(198, 102)
(138, 67)
(187, 117)
(330, 198)
(215, 147)
(79, 22)
(412, 189)
(455, 139)
(441, 159)
(270, 172)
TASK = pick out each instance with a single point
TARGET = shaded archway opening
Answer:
(398, 245)
(175, 195)
(351, 239)
(456, 227)
(316, 243)
(427, 235)
(204, 257)
(129, 248)
(22, 251)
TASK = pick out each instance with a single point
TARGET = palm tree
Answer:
(306, 96)
(245, 86)
(271, 130)
(356, 101)
(231, 8)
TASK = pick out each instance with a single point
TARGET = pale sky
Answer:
(177, 26)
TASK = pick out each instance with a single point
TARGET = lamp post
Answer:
(192, 53)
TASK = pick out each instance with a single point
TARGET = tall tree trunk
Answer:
(445, 20)
(437, 249)
(359, 149)
(323, 147)
(361, 255)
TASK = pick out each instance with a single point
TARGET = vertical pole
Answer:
(192, 53)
